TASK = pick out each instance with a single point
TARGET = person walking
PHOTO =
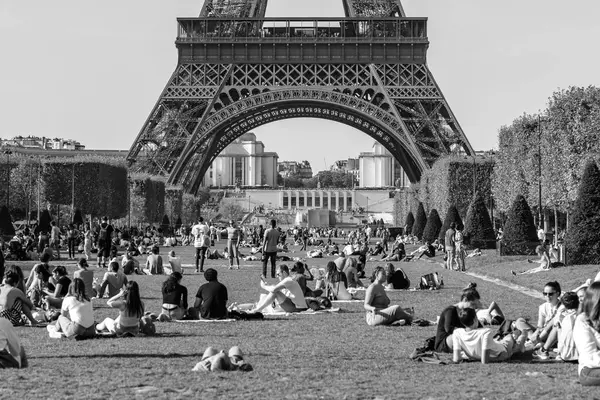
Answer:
(269, 248)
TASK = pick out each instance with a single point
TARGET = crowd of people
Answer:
(568, 325)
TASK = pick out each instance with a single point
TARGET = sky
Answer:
(92, 71)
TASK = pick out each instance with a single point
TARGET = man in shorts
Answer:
(269, 248)
(201, 233)
(287, 293)
(233, 244)
(104, 242)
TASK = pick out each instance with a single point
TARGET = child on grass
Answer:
(475, 343)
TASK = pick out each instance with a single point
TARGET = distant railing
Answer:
(302, 30)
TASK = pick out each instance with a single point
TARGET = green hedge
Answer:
(420, 222)
(100, 187)
(147, 198)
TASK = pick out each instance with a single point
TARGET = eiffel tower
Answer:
(238, 70)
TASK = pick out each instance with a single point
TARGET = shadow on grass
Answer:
(120, 355)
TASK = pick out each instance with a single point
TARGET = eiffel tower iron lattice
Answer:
(238, 70)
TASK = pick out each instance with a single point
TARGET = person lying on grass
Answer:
(478, 343)
(398, 252)
(377, 303)
(174, 298)
(77, 314)
(211, 298)
(449, 320)
(61, 288)
(491, 315)
(336, 285)
(287, 293)
(13, 301)
(12, 353)
(586, 334)
(131, 309)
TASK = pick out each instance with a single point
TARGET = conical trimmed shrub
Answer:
(519, 234)
(6, 225)
(44, 222)
(583, 237)
(178, 222)
(410, 223)
(451, 216)
(479, 232)
(165, 224)
(432, 229)
(420, 222)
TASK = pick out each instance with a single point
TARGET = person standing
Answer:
(104, 242)
(459, 250)
(233, 244)
(55, 239)
(201, 233)
(269, 248)
(450, 244)
(304, 234)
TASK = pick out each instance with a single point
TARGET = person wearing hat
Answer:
(86, 276)
(211, 298)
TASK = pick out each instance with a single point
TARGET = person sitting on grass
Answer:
(336, 285)
(565, 323)
(12, 353)
(17, 270)
(449, 321)
(154, 263)
(33, 274)
(174, 298)
(377, 250)
(544, 261)
(426, 250)
(475, 343)
(396, 278)
(491, 315)
(397, 254)
(86, 276)
(77, 314)
(39, 283)
(174, 263)
(61, 288)
(113, 279)
(130, 265)
(351, 272)
(586, 334)
(547, 316)
(13, 301)
(211, 298)
(287, 293)
(299, 275)
(131, 309)
(377, 303)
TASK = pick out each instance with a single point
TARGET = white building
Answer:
(380, 169)
(244, 162)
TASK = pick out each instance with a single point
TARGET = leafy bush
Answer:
(583, 237)
(147, 198)
(77, 217)
(479, 232)
(410, 222)
(44, 222)
(451, 216)
(433, 226)
(420, 222)
(519, 234)
(6, 226)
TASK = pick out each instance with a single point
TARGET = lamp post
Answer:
(72, 192)
(8, 153)
(539, 170)
(131, 162)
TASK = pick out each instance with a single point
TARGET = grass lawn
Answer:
(297, 357)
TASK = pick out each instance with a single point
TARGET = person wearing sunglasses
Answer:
(287, 293)
(546, 318)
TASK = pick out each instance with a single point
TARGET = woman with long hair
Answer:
(174, 298)
(131, 309)
(77, 314)
(586, 334)
(377, 303)
(336, 283)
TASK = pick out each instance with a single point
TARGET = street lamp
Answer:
(539, 170)
(131, 162)
(8, 153)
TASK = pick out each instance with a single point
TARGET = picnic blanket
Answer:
(307, 312)
(348, 301)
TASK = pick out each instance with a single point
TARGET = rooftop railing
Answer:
(202, 30)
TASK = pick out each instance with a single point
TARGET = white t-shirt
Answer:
(199, 230)
(81, 313)
(546, 312)
(294, 292)
(475, 342)
(587, 340)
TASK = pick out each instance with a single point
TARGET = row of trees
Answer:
(549, 150)
(324, 179)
